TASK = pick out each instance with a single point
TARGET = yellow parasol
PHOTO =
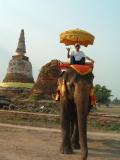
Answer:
(71, 37)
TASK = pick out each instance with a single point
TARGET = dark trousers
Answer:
(73, 61)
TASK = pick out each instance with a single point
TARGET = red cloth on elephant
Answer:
(82, 69)
(93, 97)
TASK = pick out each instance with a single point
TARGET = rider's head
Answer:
(77, 46)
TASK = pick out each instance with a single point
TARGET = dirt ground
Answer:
(33, 143)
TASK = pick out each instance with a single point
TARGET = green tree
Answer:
(103, 94)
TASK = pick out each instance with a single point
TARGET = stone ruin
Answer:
(19, 68)
(19, 71)
(46, 84)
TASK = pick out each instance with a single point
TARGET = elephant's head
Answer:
(75, 83)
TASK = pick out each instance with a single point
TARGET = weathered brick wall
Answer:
(19, 70)
(46, 83)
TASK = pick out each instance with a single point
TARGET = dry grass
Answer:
(111, 110)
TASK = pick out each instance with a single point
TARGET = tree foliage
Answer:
(102, 94)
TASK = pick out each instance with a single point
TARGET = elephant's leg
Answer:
(75, 136)
(72, 122)
(82, 125)
(82, 102)
(71, 127)
(66, 147)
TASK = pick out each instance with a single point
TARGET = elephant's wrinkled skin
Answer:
(75, 105)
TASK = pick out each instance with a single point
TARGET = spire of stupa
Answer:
(21, 49)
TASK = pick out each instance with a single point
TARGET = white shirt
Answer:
(78, 55)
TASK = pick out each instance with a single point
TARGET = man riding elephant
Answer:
(77, 56)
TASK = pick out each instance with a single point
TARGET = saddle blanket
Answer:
(82, 69)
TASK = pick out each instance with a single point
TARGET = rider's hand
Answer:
(68, 49)
(92, 61)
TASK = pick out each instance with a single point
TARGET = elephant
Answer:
(75, 106)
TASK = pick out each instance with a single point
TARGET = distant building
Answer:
(19, 77)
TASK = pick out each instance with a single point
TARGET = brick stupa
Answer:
(19, 73)
(46, 85)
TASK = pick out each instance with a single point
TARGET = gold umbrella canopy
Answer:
(71, 37)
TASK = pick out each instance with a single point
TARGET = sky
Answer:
(44, 20)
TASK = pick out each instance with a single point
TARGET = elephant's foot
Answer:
(84, 154)
(83, 158)
(76, 145)
(66, 149)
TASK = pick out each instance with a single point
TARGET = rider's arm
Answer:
(89, 59)
(68, 52)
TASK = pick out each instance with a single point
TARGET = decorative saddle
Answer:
(81, 69)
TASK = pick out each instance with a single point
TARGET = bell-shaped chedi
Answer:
(19, 68)
(46, 83)
(19, 76)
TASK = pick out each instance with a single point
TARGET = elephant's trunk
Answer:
(81, 96)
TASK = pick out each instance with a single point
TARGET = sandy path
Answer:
(33, 143)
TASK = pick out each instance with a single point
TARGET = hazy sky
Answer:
(43, 20)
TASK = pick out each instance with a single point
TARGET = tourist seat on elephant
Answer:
(65, 65)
